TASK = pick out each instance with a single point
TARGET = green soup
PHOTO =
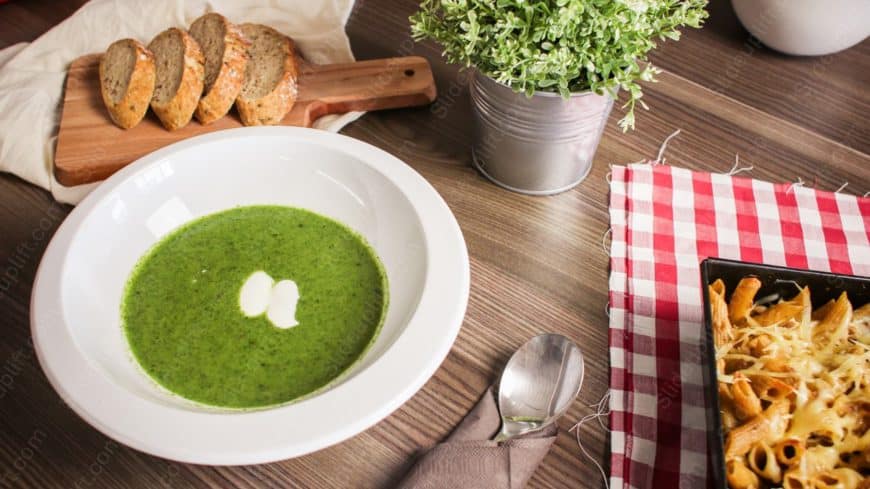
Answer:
(183, 321)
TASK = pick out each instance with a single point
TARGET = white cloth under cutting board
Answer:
(32, 74)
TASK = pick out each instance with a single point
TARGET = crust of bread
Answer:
(131, 108)
(271, 108)
(219, 99)
(179, 110)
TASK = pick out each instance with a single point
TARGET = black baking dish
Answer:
(775, 280)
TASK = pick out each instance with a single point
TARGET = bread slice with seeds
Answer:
(127, 81)
(180, 77)
(226, 55)
(269, 91)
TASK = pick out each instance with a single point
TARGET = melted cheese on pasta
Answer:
(826, 365)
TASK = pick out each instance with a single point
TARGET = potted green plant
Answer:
(546, 73)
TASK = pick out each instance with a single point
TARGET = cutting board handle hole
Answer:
(409, 72)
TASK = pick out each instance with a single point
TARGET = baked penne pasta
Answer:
(746, 403)
(768, 426)
(841, 478)
(769, 388)
(739, 476)
(823, 311)
(806, 317)
(794, 389)
(763, 462)
(742, 299)
(779, 314)
(834, 326)
(718, 287)
(719, 313)
(726, 405)
(789, 451)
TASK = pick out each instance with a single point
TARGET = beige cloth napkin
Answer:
(469, 460)
(32, 74)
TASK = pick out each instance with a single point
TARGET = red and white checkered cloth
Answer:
(665, 221)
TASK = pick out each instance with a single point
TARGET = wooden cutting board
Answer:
(90, 147)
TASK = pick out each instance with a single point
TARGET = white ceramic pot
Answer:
(806, 27)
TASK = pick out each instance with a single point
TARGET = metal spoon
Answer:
(538, 384)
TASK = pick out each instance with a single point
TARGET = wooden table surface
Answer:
(537, 263)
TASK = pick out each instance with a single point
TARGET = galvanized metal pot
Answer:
(539, 145)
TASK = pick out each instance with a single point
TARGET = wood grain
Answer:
(827, 94)
(537, 263)
(91, 148)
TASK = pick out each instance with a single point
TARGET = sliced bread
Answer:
(127, 81)
(269, 91)
(180, 77)
(226, 55)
